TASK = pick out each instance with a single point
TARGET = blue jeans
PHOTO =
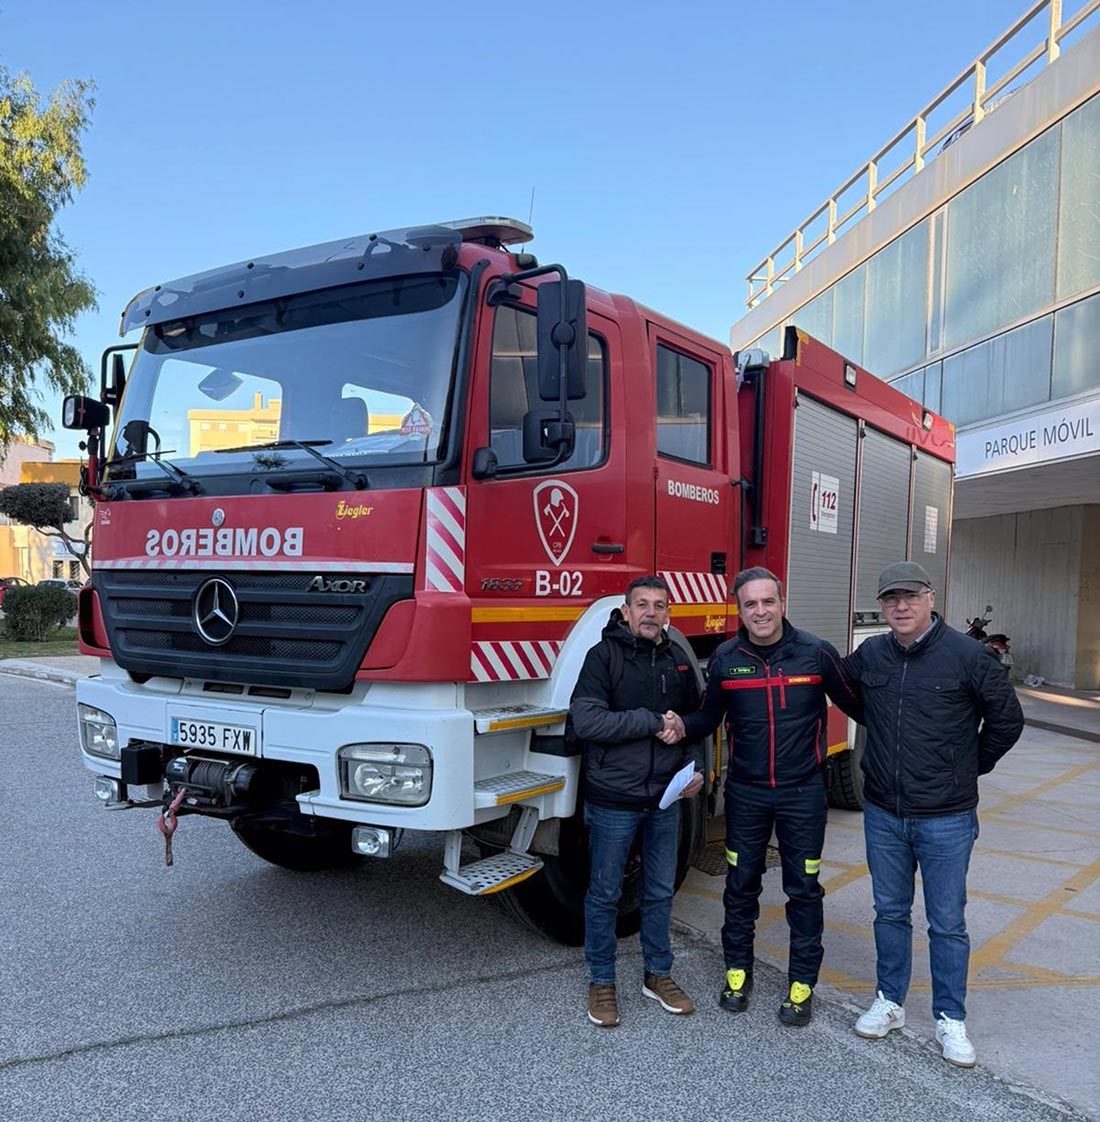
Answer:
(611, 833)
(940, 847)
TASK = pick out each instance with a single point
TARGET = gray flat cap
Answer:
(904, 576)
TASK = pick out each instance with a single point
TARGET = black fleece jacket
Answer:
(625, 764)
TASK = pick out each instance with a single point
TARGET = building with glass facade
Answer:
(969, 276)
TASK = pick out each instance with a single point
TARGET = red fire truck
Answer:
(361, 509)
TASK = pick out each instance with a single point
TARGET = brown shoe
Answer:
(668, 993)
(603, 1005)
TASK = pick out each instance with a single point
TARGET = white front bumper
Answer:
(310, 729)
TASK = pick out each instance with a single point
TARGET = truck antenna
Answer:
(530, 210)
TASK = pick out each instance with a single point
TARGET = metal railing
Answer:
(913, 147)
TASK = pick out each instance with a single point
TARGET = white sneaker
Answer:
(957, 1048)
(883, 1016)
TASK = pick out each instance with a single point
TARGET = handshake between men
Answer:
(673, 730)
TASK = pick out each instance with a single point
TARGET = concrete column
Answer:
(1087, 669)
(1028, 565)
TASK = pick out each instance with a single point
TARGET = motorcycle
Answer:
(998, 643)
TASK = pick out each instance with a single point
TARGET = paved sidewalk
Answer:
(1033, 912)
(64, 669)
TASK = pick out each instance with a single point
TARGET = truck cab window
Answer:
(683, 406)
(513, 391)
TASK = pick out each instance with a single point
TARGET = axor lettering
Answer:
(226, 542)
(336, 584)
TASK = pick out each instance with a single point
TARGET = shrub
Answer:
(31, 612)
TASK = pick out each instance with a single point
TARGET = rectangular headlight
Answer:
(399, 774)
(98, 732)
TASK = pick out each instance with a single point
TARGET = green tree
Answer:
(41, 292)
(47, 507)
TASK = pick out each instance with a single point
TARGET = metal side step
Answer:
(514, 787)
(491, 874)
(504, 718)
(502, 870)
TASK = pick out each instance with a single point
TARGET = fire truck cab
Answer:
(362, 508)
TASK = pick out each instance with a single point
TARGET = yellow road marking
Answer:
(1005, 820)
(994, 949)
(1028, 857)
(842, 880)
(1025, 983)
(1038, 973)
(1012, 901)
(1048, 785)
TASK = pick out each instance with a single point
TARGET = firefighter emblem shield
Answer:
(556, 517)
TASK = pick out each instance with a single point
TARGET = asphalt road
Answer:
(227, 989)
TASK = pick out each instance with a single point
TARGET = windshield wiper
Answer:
(176, 474)
(357, 479)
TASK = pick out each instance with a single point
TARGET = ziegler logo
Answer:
(336, 584)
(345, 510)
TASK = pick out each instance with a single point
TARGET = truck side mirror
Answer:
(84, 413)
(562, 325)
(546, 437)
(485, 463)
(114, 381)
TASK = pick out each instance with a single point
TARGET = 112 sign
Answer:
(824, 502)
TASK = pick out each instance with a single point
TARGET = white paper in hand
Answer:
(676, 784)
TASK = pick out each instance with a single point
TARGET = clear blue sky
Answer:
(670, 146)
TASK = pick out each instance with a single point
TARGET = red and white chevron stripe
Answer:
(695, 588)
(445, 561)
(513, 661)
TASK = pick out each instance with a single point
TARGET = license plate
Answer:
(190, 732)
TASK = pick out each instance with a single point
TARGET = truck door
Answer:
(694, 507)
(542, 542)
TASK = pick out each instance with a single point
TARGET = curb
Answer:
(1064, 730)
(42, 673)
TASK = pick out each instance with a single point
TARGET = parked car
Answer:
(9, 582)
(74, 585)
(53, 582)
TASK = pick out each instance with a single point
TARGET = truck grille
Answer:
(285, 634)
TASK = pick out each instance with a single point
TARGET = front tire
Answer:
(552, 901)
(298, 843)
(844, 774)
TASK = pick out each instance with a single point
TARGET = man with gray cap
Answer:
(939, 711)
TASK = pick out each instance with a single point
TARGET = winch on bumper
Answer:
(393, 755)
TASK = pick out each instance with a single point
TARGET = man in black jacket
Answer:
(770, 683)
(940, 711)
(631, 687)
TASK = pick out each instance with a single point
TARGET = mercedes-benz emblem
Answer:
(218, 517)
(216, 611)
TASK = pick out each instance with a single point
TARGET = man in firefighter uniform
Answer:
(630, 690)
(770, 683)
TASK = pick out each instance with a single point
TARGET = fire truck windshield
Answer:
(362, 374)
